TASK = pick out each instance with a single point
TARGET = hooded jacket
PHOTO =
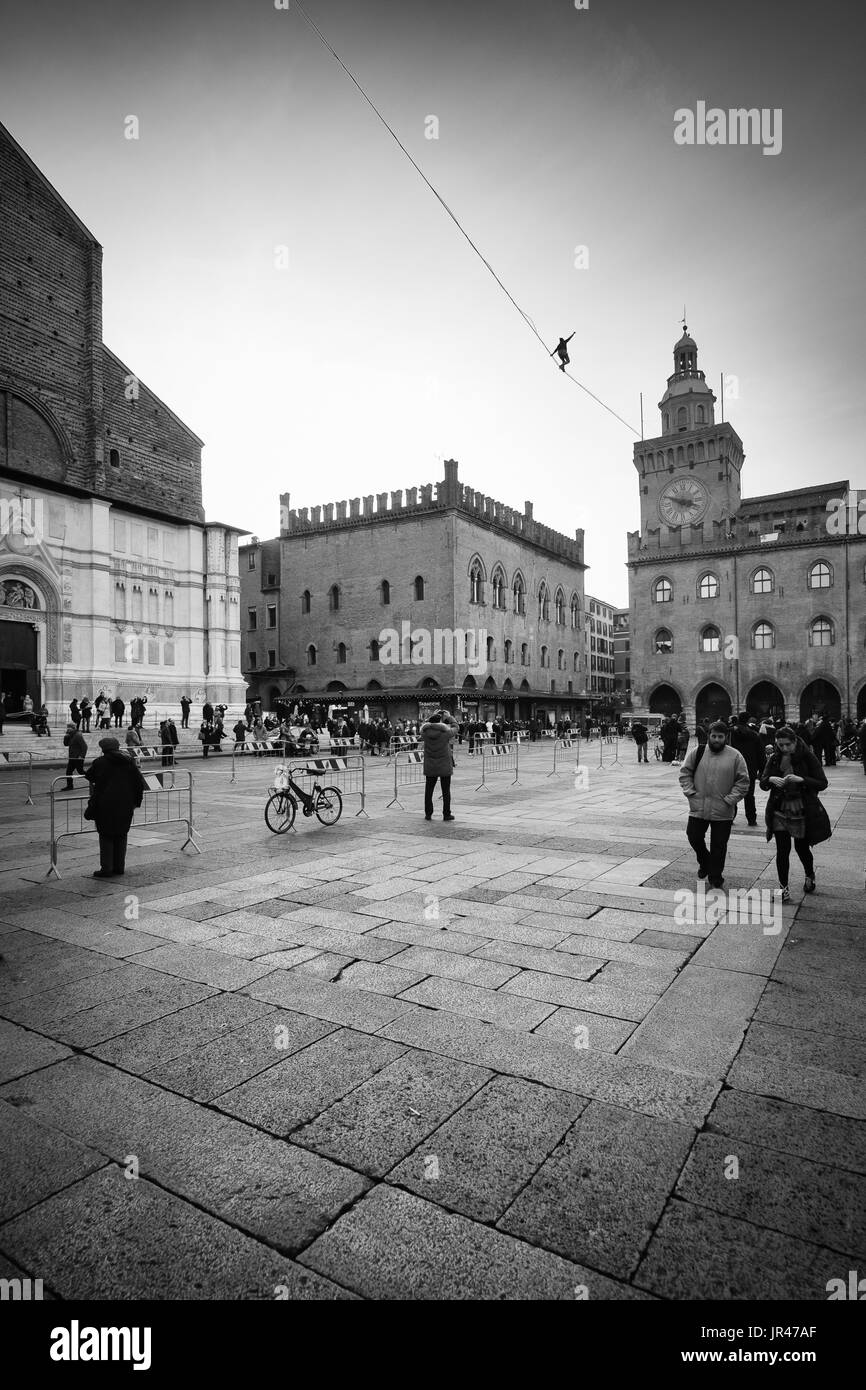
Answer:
(436, 741)
(117, 789)
(719, 782)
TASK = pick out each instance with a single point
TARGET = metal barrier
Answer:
(19, 758)
(253, 752)
(162, 804)
(346, 774)
(408, 771)
(479, 743)
(401, 743)
(559, 745)
(611, 762)
(500, 757)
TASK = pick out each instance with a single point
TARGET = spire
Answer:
(688, 402)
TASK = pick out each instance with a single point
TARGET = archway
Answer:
(861, 704)
(820, 697)
(713, 702)
(765, 699)
(665, 700)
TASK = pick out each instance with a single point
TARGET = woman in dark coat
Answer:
(794, 777)
(117, 789)
(436, 739)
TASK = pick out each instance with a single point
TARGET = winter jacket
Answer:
(436, 741)
(751, 745)
(719, 782)
(803, 764)
(639, 734)
(77, 745)
(117, 789)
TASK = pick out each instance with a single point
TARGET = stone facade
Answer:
(100, 489)
(755, 603)
(379, 596)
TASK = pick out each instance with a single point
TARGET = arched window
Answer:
(311, 655)
(385, 591)
(120, 603)
(763, 636)
(560, 660)
(821, 633)
(305, 601)
(519, 591)
(137, 604)
(509, 651)
(708, 586)
(524, 654)
(762, 582)
(168, 609)
(682, 418)
(334, 597)
(820, 576)
(545, 657)
(711, 639)
(700, 415)
(498, 588)
(341, 653)
(663, 590)
(113, 458)
(153, 608)
(476, 583)
(666, 422)
(576, 661)
(575, 611)
(419, 587)
(491, 650)
(374, 649)
(543, 603)
(560, 607)
(663, 642)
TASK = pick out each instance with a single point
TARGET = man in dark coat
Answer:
(185, 707)
(824, 741)
(207, 712)
(117, 789)
(118, 709)
(74, 713)
(669, 733)
(751, 745)
(640, 736)
(75, 741)
(86, 709)
(436, 739)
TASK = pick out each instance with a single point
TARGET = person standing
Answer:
(240, 733)
(117, 788)
(99, 704)
(641, 739)
(683, 736)
(436, 739)
(85, 708)
(751, 745)
(118, 709)
(75, 741)
(75, 713)
(668, 734)
(185, 707)
(793, 776)
(203, 736)
(824, 741)
(714, 779)
(207, 712)
(133, 741)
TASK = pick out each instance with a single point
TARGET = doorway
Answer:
(19, 672)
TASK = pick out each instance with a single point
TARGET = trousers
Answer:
(429, 787)
(713, 861)
(783, 856)
(73, 765)
(112, 853)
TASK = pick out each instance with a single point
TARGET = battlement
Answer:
(449, 494)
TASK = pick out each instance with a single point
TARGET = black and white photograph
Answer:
(432, 671)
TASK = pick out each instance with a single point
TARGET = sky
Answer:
(278, 273)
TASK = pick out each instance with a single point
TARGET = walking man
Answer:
(714, 779)
(748, 742)
(436, 739)
(641, 739)
(75, 741)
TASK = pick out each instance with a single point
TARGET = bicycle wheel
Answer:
(329, 806)
(280, 812)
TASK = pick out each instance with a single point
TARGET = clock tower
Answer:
(690, 473)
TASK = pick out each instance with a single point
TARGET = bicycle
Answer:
(282, 807)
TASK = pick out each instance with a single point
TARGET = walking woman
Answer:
(794, 777)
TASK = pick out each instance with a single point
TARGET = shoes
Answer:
(447, 817)
(101, 873)
(428, 817)
(786, 894)
(809, 885)
(717, 883)
(751, 822)
(702, 873)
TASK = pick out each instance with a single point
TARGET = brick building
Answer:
(756, 603)
(402, 603)
(110, 578)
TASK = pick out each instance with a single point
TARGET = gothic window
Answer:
(519, 591)
(575, 611)
(168, 610)
(120, 603)
(498, 588)
(762, 582)
(341, 653)
(820, 576)
(560, 660)
(311, 655)
(763, 636)
(419, 587)
(700, 415)
(491, 650)
(153, 608)
(662, 591)
(821, 633)
(545, 658)
(476, 583)
(334, 597)
(385, 589)
(305, 601)
(711, 639)
(708, 586)
(663, 644)
(524, 654)
(560, 607)
(543, 603)
(509, 652)
(137, 604)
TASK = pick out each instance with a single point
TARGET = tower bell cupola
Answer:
(688, 402)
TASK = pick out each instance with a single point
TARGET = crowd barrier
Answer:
(562, 753)
(345, 773)
(250, 754)
(500, 757)
(165, 802)
(408, 771)
(401, 743)
(20, 759)
(477, 743)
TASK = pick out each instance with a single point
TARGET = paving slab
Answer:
(575, 994)
(109, 1238)
(471, 970)
(394, 1245)
(479, 1159)
(595, 1030)
(598, 1197)
(386, 1117)
(699, 1254)
(22, 1051)
(790, 1128)
(388, 979)
(493, 1006)
(141, 1049)
(37, 1161)
(534, 958)
(797, 1000)
(334, 1003)
(211, 1068)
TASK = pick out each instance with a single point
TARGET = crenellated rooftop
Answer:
(450, 494)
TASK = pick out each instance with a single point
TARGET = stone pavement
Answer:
(488, 1060)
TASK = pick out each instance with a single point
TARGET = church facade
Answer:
(110, 577)
(735, 602)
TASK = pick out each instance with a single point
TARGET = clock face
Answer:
(683, 501)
